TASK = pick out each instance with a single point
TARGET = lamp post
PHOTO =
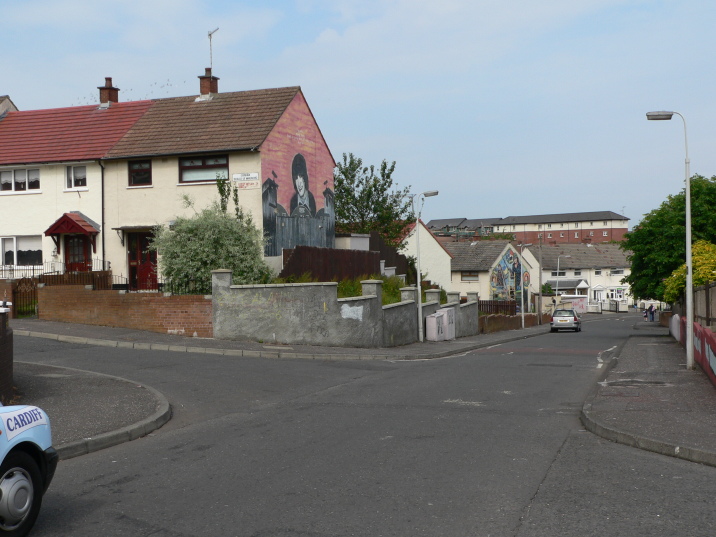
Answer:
(522, 283)
(424, 195)
(556, 293)
(662, 116)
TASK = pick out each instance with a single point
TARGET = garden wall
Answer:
(188, 315)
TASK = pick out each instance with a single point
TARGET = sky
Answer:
(507, 107)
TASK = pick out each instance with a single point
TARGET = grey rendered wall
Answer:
(308, 314)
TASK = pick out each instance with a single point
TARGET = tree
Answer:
(368, 201)
(657, 246)
(703, 258)
(210, 239)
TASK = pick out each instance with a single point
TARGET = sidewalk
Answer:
(647, 399)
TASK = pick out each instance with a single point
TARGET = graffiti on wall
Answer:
(505, 281)
(297, 175)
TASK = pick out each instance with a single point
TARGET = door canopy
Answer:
(73, 223)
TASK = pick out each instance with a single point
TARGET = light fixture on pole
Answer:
(556, 293)
(423, 195)
(522, 283)
(662, 116)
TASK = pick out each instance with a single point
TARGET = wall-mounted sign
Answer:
(246, 181)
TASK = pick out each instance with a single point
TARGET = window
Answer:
(605, 233)
(140, 173)
(203, 169)
(561, 234)
(549, 235)
(549, 225)
(576, 234)
(21, 250)
(591, 233)
(561, 225)
(19, 180)
(470, 276)
(598, 272)
(606, 223)
(76, 177)
(539, 226)
(560, 273)
(617, 271)
(577, 272)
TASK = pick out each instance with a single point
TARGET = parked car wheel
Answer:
(20, 494)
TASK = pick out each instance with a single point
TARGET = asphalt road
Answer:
(484, 444)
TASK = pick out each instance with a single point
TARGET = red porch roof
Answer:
(72, 223)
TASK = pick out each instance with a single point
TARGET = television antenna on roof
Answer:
(211, 54)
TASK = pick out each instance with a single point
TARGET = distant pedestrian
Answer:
(646, 315)
(652, 310)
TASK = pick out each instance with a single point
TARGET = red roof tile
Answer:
(66, 134)
(72, 222)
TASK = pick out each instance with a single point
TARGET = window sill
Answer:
(19, 192)
(135, 187)
(195, 183)
(80, 189)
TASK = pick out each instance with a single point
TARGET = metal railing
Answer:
(13, 272)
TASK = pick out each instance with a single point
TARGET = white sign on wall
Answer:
(246, 181)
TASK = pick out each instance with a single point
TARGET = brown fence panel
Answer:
(392, 258)
(498, 307)
(329, 264)
(24, 297)
(100, 279)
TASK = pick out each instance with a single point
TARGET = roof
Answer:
(66, 134)
(478, 255)
(477, 223)
(179, 125)
(562, 217)
(582, 256)
(226, 122)
(73, 222)
(446, 222)
(567, 284)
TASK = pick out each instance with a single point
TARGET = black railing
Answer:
(13, 272)
(122, 283)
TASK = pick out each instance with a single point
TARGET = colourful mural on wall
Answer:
(297, 172)
(505, 282)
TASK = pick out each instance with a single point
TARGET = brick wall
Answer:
(189, 315)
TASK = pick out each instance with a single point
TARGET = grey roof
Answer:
(478, 255)
(562, 217)
(565, 284)
(445, 222)
(582, 256)
(477, 223)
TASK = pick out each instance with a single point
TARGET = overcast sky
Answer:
(507, 107)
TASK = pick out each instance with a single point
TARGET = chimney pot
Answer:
(208, 84)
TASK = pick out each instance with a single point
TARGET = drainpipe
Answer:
(104, 254)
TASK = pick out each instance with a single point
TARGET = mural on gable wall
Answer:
(297, 196)
(505, 283)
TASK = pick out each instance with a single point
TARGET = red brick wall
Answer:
(187, 314)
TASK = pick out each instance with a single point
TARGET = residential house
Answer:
(435, 259)
(593, 270)
(87, 185)
(494, 269)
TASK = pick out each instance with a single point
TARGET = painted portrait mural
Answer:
(297, 190)
(505, 281)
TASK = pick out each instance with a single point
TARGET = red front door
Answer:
(77, 253)
(142, 262)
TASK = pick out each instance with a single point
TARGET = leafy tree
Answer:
(703, 258)
(657, 246)
(210, 239)
(366, 200)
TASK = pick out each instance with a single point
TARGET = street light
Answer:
(556, 293)
(522, 283)
(661, 116)
(424, 195)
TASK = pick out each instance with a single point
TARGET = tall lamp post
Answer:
(422, 195)
(662, 116)
(556, 293)
(522, 284)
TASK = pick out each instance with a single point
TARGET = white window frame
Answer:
(72, 180)
(14, 174)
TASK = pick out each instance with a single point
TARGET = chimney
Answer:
(108, 93)
(208, 84)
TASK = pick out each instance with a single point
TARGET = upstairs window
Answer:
(470, 276)
(559, 274)
(617, 271)
(577, 272)
(598, 272)
(203, 169)
(76, 177)
(140, 173)
(19, 180)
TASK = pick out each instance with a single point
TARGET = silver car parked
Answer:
(565, 320)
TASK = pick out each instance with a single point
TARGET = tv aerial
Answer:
(211, 54)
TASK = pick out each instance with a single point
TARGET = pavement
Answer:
(646, 398)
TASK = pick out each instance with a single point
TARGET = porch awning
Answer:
(73, 223)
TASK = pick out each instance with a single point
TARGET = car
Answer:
(565, 319)
(27, 468)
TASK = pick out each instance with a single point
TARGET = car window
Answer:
(563, 313)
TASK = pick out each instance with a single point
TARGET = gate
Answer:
(24, 298)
